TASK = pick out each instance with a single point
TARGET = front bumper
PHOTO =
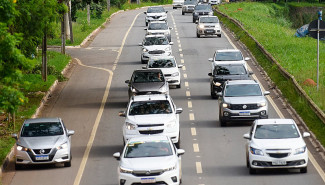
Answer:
(145, 55)
(208, 31)
(176, 79)
(242, 115)
(150, 19)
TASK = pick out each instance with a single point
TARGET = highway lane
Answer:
(214, 155)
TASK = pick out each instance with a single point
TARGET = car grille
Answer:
(157, 52)
(209, 26)
(203, 13)
(167, 74)
(151, 131)
(157, 33)
(38, 151)
(289, 163)
(155, 17)
(276, 155)
(151, 125)
(243, 106)
(147, 173)
(51, 156)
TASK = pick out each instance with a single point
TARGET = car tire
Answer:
(198, 35)
(146, 23)
(223, 123)
(193, 20)
(213, 95)
(183, 13)
(303, 170)
(142, 61)
(170, 38)
(219, 35)
(252, 170)
(178, 144)
(178, 86)
(67, 164)
(18, 166)
(247, 161)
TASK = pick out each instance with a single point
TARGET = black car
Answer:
(145, 81)
(202, 9)
(225, 72)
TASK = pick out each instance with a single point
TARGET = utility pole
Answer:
(70, 21)
(44, 57)
(63, 34)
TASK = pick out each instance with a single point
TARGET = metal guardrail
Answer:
(285, 73)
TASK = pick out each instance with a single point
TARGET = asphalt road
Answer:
(95, 93)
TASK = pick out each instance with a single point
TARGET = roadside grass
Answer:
(34, 90)
(81, 29)
(277, 38)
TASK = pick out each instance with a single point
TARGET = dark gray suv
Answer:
(201, 9)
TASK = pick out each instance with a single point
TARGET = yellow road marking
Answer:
(182, 61)
(185, 75)
(188, 93)
(196, 147)
(186, 84)
(193, 131)
(189, 104)
(184, 68)
(198, 167)
(191, 115)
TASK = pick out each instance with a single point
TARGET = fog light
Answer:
(263, 113)
(225, 113)
(302, 162)
(122, 181)
(174, 179)
(255, 163)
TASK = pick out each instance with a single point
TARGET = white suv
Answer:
(154, 114)
(233, 56)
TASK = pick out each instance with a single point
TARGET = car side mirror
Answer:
(145, 28)
(170, 28)
(179, 110)
(180, 152)
(247, 136)
(247, 58)
(219, 94)
(122, 114)
(210, 59)
(117, 156)
(15, 136)
(144, 67)
(250, 72)
(140, 44)
(166, 11)
(266, 93)
(306, 134)
(70, 132)
(209, 74)
(127, 81)
(171, 43)
(180, 66)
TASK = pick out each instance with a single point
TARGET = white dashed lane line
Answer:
(191, 115)
(188, 93)
(189, 104)
(198, 167)
(193, 131)
(196, 147)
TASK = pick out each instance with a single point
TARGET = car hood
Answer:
(169, 70)
(151, 118)
(231, 77)
(148, 163)
(211, 24)
(244, 100)
(157, 31)
(293, 143)
(148, 86)
(202, 10)
(42, 142)
(156, 14)
(156, 47)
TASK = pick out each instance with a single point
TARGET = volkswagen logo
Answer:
(42, 151)
(244, 106)
(148, 173)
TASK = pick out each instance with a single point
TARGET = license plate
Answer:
(244, 113)
(209, 31)
(279, 162)
(148, 180)
(42, 157)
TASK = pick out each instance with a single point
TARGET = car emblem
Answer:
(149, 129)
(42, 151)
(244, 106)
(148, 173)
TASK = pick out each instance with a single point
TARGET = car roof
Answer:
(234, 82)
(150, 97)
(41, 120)
(149, 138)
(274, 121)
(228, 50)
(208, 16)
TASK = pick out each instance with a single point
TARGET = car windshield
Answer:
(243, 90)
(155, 10)
(190, 2)
(229, 56)
(145, 77)
(42, 129)
(230, 70)
(150, 107)
(157, 26)
(209, 20)
(162, 63)
(202, 7)
(155, 41)
(148, 149)
(276, 131)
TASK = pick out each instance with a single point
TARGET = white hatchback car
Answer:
(155, 13)
(155, 45)
(276, 143)
(159, 28)
(154, 114)
(169, 66)
(150, 159)
(233, 56)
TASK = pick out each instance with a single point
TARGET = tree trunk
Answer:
(44, 58)
(88, 13)
(63, 35)
(70, 21)
(108, 5)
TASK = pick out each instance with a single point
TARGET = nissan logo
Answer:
(244, 106)
(42, 151)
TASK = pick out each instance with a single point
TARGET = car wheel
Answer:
(183, 13)
(178, 86)
(213, 95)
(303, 170)
(170, 38)
(18, 166)
(193, 20)
(252, 170)
(178, 144)
(247, 161)
(146, 23)
(223, 123)
(67, 164)
(143, 61)
(219, 35)
(198, 35)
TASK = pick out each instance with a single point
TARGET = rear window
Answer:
(229, 56)
(239, 90)
(148, 149)
(150, 107)
(42, 129)
(162, 63)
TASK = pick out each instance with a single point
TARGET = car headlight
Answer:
(226, 105)
(262, 104)
(125, 170)
(216, 84)
(168, 49)
(175, 74)
(201, 26)
(170, 169)
(210, 13)
(171, 124)
(300, 150)
(145, 50)
(256, 151)
(62, 146)
(21, 148)
(130, 126)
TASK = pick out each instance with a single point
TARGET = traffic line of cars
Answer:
(151, 130)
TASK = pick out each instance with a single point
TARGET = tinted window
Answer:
(209, 20)
(158, 26)
(203, 7)
(155, 9)
(162, 63)
(229, 56)
(230, 70)
(148, 149)
(150, 107)
(243, 90)
(42, 129)
(155, 41)
(190, 3)
(144, 77)
(276, 131)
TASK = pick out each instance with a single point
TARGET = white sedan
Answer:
(150, 159)
(276, 143)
